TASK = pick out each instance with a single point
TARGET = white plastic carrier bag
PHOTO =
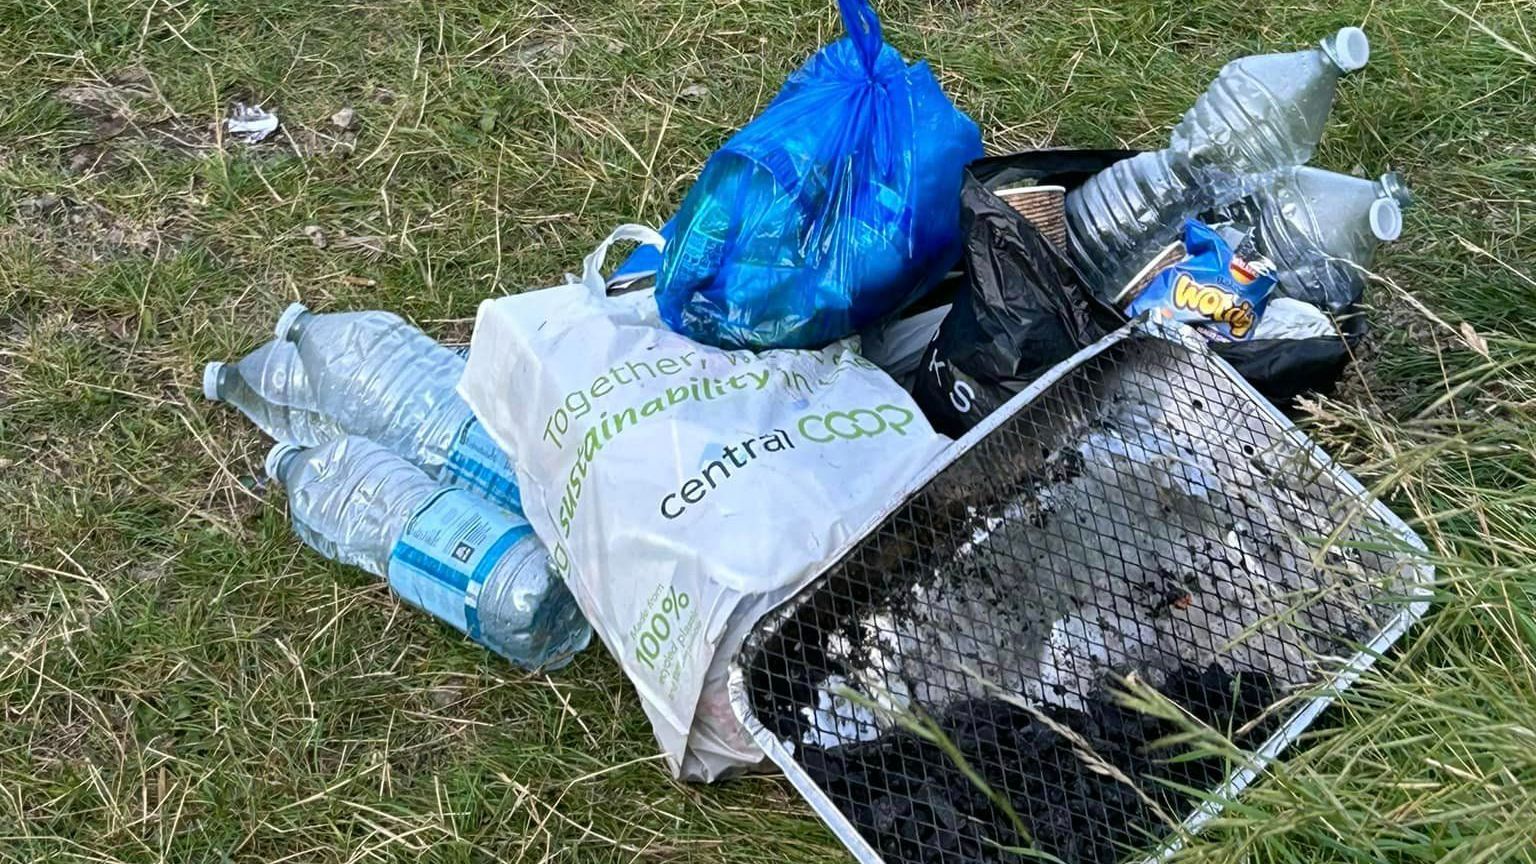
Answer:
(684, 490)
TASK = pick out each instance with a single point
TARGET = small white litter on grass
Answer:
(251, 124)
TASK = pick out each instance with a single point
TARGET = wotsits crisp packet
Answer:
(1215, 290)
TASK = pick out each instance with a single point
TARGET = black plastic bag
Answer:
(1025, 307)
(1282, 369)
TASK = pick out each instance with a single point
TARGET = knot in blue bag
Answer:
(837, 206)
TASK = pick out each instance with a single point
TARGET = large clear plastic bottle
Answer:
(269, 386)
(442, 549)
(379, 377)
(1320, 228)
(1261, 114)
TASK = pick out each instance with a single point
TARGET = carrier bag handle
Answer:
(863, 27)
(592, 267)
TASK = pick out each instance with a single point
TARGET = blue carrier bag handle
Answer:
(863, 27)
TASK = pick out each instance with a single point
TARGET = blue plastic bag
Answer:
(835, 207)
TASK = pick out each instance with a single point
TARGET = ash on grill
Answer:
(1128, 520)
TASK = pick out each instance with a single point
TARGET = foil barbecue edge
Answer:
(1240, 778)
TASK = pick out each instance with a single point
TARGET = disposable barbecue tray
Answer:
(952, 687)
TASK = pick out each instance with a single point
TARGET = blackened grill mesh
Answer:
(1140, 515)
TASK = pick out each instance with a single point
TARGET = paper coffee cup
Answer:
(1169, 255)
(1044, 207)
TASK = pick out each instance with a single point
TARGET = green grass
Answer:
(180, 681)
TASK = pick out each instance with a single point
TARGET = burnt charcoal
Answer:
(1140, 515)
(914, 804)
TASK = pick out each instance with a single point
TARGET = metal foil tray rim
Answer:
(1415, 577)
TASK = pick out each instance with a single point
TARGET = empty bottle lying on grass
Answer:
(442, 549)
(382, 378)
(370, 374)
(270, 388)
(1322, 229)
(1262, 114)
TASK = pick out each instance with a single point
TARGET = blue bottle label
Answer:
(447, 550)
(475, 462)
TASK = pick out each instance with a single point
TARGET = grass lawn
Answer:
(181, 681)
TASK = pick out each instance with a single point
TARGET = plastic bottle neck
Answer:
(299, 325)
(222, 382)
(292, 323)
(1393, 186)
(279, 460)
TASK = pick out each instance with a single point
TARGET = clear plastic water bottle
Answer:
(379, 377)
(442, 549)
(269, 386)
(1321, 228)
(1266, 111)
(1262, 113)
(1118, 216)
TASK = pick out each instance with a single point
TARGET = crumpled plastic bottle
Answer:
(380, 377)
(1261, 114)
(270, 387)
(443, 550)
(1322, 229)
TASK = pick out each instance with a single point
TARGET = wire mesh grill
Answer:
(947, 689)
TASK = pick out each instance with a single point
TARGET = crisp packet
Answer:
(1219, 293)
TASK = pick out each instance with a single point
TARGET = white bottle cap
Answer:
(211, 380)
(276, 457)
(1386, 219)
(1350, 48)
(286, 320)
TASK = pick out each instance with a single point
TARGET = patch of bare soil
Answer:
(127, 106)
(85, 232)
(125, 110)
